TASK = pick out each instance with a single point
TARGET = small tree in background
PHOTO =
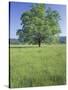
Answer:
(39, 25)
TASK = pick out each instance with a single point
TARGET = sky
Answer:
(17, 8)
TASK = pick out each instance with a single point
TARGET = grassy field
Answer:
(34, 66)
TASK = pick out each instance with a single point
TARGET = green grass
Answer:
(34, 66)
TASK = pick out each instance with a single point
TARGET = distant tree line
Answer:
(62, 40)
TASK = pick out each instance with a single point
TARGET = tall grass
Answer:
(34, 66)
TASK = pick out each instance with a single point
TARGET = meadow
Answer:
(31, 66)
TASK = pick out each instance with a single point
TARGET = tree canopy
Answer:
(39, 25)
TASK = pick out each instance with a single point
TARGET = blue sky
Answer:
(17, 8)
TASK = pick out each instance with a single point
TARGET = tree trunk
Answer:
(39, 39)
(39, 42)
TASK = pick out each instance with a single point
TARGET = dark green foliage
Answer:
(39, 25)
(20, 34)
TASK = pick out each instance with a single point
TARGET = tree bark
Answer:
(39, 39)
(39, 42)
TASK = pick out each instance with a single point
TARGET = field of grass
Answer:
(34, 66)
